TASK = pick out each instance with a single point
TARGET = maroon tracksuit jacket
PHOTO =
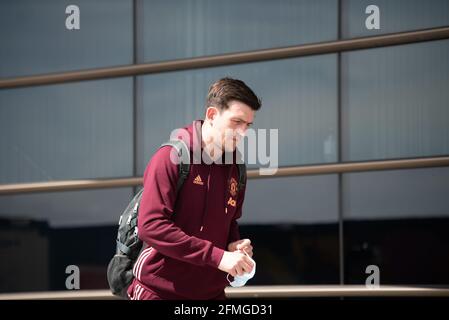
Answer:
(186, 234)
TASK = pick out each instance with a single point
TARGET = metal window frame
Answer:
(136, 69)
(319, 169)
(319, 48)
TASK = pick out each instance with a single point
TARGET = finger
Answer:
(234, 245)
(247, 267)
(244, 243)
(249, 264)
(247, 249)
(248, 261)
(239, 270)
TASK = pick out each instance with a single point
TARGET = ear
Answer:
(211, 113)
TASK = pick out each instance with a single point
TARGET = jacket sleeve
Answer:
(234, 233)
(156, 207)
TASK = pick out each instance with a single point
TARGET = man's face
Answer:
(230, 125)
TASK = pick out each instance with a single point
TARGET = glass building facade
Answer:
(374, 104)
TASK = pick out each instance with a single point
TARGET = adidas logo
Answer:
(198, 180)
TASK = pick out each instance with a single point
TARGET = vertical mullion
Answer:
(339, 156)
(134, 103)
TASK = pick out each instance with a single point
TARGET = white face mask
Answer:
(240, 281)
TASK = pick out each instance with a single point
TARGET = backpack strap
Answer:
(242, 175)
(123, 248)
(184, 165)
(184, 156)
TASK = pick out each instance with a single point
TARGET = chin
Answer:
(230, 148)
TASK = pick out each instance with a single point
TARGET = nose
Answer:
(242, 131)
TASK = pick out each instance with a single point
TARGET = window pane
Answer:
(35, 38)
(398, 221)
(46, 232)
(69, 208)
(394, 15)
(395, 101)
(416, 193)
(291, 200)
(299, 98)
(67, 131)
(287, 254)
(293, 225)
(194, 28)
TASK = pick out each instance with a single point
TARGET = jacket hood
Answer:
(192, 136)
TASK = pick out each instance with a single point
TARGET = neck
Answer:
(208, 143)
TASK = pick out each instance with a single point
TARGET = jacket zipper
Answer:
(207, 193)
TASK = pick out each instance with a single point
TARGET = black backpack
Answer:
(129, 246)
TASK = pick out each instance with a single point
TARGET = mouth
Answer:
(232, 141)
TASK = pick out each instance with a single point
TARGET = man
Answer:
(192, 237)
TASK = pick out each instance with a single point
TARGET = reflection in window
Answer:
(194, 28)
(68, 131)
(395, 101)
(35, 39)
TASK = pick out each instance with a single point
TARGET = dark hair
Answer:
(226, 89)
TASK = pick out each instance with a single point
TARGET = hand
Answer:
(243, 245)
(235, 263)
